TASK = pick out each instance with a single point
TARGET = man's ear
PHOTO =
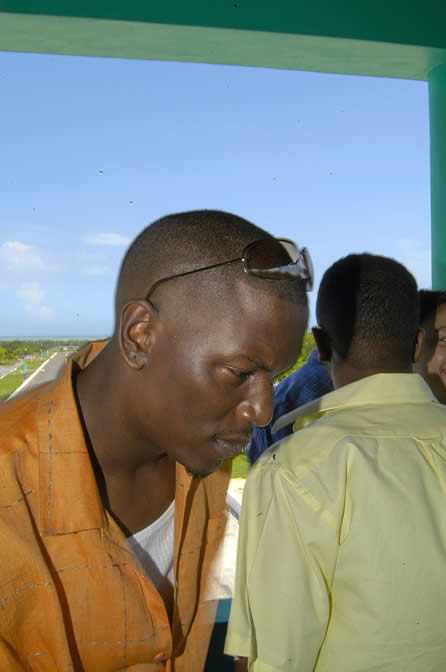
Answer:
(136, 322)
(418, 345)
(323, 344)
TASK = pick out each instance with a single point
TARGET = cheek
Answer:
(437, 362)
(195, 392)
(442, 359)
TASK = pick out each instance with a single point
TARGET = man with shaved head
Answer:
(113, 479)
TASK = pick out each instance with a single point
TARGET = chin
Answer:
(438, 389)
(198, 474)
(202, 471)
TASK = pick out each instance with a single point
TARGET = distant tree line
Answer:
(10, 351)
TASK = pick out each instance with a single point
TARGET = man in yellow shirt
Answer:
(342, 547)
(113, 478)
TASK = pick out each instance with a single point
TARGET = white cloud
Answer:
(31, 292)
(417, 258)
(94, 270)
(32, 295)
(107, 239)
(18, 257)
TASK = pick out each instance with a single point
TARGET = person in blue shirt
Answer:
(308, 382)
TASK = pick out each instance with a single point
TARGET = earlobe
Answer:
(418, 345)
(135, 333)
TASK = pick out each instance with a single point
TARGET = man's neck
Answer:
(346, 372)
(134, 491)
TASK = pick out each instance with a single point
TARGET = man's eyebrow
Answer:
(257, 363)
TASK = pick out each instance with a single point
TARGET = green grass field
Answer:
(12, 381)
(240, 467)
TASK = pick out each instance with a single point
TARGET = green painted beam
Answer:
(128, 39)
(418, 22)
(391, 38)
(437, 108)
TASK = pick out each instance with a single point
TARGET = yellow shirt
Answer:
(342, 548)
(72, 594)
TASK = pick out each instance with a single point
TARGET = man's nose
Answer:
(257, 406)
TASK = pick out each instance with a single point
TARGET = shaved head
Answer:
(189, 371)
(182, 242)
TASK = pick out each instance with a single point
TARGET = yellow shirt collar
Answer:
(379, 389)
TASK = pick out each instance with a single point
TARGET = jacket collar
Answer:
(69, 496)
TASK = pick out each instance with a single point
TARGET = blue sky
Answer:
(92, 150)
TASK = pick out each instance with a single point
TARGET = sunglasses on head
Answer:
(270, 258)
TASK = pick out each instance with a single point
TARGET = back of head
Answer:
(191, 240)
(429, 302)
(368, 306)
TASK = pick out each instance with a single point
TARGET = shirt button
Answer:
(160, 656)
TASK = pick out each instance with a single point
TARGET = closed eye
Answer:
(241, 375)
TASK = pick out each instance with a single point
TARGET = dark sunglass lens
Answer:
(268, 253)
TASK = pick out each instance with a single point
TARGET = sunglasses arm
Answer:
(291, 270)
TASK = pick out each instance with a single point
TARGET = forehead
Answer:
(249, 298)
(248, 321)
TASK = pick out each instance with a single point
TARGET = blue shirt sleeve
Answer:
(308, 382)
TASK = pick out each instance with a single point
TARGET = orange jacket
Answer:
(72, 595)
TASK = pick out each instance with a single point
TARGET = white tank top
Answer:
(154, 547)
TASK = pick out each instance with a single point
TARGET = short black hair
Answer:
(429, 302)
(368, 305)
(187, 240)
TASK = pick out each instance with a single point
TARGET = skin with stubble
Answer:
(432, 362)
(183, 381)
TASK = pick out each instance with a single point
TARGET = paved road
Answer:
(4, 370)
(49, 371)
